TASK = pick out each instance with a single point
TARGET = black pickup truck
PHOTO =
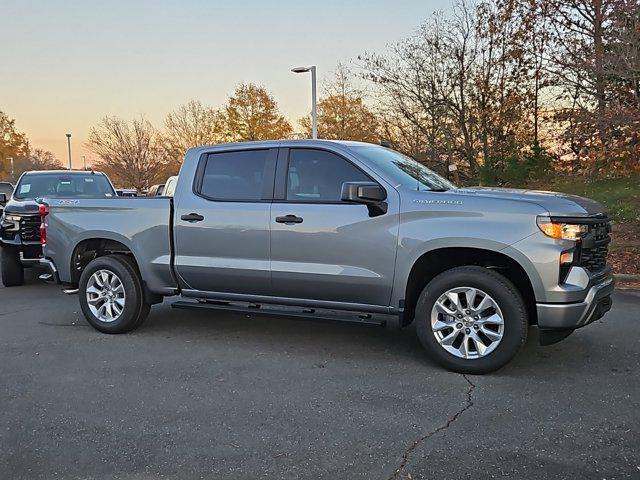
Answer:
(20, 237)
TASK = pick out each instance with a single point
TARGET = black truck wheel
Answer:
(471, 320)
(12, 270)
(111, 294)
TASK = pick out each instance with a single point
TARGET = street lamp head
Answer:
(68, 135)
(300, 69)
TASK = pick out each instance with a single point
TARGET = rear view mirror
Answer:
(3, 198)
(367, 193)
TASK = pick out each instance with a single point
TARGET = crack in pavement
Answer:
(447, 424)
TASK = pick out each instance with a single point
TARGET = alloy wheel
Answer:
(105, 296)
(467, 322)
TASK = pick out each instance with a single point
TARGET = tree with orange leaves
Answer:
(251, 113)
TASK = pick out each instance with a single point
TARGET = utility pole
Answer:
(84, 161)
(69, 147)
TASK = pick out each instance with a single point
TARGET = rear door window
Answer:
(238, 176)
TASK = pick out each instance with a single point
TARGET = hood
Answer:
(557, 204)
(21, 206)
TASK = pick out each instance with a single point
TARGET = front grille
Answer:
(595, 246)
(30, 228)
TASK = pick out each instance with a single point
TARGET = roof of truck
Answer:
(284, 143)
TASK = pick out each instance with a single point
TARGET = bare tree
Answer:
(37, 159)
(595, 68)
(191, 125)
(579, 58)
(129, 152)
(413, 88)
(456, 88)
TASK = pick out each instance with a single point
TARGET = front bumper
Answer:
(30, 252)
(569, 316)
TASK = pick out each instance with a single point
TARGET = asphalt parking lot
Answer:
(208, 395)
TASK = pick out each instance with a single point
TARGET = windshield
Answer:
(61, 185)
(404, 170)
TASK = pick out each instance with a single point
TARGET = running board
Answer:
(289, 312)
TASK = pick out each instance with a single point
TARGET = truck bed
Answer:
(142, 225)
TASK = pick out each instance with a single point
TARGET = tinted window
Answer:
(62, 185)
(317, 176)
(235, 175)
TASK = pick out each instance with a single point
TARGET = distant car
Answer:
(155, 190)
(6, 189)
(170, 186)
(127, 192)
(20, 222)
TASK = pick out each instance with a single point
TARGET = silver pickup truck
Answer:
(340, 230)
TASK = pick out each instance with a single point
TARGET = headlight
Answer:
(12, 218)
(564, 231)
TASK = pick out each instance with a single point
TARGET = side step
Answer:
(290, 312)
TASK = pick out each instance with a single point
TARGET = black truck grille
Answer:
(30, 228)
(595, 246)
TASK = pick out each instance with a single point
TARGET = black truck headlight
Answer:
(11, 222)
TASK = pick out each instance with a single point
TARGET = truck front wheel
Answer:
(471, 320)
(111, 294)
(12, 270)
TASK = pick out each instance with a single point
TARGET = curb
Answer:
(627, 277)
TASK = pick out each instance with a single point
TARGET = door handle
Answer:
(289, 219)
(192, 217)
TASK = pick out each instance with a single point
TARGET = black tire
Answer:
(508, 299)
(12, 270)
(135, 309)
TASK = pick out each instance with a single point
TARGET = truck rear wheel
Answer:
(12, 270)
(111, 294)
(471, 320)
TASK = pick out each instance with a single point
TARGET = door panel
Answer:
(337, 253)
(221, 236)
(226, 252)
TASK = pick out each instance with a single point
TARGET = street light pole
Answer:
(314, 107)
(11, 161)
(84, 161)
(69, 147)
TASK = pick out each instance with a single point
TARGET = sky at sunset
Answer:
(65, 64)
